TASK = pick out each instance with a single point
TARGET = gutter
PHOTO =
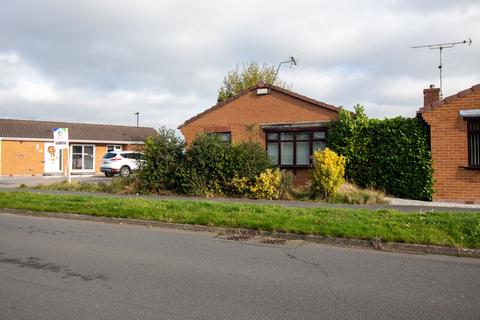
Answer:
(72, 140)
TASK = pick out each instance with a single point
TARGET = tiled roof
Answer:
(271, 87)
(461, 94)
(11, 128)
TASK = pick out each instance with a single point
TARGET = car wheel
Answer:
(124, 171)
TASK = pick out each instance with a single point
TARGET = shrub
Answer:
(286, 185)
(216, 168)
(241, 187)
(267, 185)
(328, 173)
(210, 163)
(390, 155)
(250, 159)
(163, 154)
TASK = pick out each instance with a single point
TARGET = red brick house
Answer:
(27, 148)
(290, 126)
(455, 143)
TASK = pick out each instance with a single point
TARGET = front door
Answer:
(53, 159)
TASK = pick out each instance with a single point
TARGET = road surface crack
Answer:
(316, 265)
(36, 263)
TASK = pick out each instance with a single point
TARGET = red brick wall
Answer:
(27, 157)
(243, 117)
(21, 158)
(449, 148)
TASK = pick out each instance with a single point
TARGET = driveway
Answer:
(58, 269)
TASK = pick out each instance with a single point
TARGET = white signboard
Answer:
(60, 138)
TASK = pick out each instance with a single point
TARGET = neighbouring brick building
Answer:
(455, 143)
(26, 147)
(290, 126)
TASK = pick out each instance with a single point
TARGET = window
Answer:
(132, 155)
(114, 148)
(474, 143)
(83, 157)
(294, 148)
(109, 155)
(225, 137)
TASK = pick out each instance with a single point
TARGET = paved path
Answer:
(31, 181)
(59, 269)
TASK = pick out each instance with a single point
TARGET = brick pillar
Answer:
(430, 95)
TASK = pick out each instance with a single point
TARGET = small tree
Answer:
(163, 155)
(249, 75)
(328, 173)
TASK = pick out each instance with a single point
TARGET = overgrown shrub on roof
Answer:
(391, 154)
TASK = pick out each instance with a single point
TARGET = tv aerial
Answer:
(440, 47)
(292, 61)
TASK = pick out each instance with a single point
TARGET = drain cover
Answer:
(274, 241)
(239, 237)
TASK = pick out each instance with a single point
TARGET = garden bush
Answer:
(163, 154)
(215, 168)
(327, 174)
(390, 155)
(267, 185)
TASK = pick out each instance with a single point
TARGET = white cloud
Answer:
(101, 61)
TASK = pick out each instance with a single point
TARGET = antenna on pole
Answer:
(292, 62)
(137, 114)
(440, 47)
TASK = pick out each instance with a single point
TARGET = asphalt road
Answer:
(64, 269)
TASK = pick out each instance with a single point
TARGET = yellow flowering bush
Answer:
(240, 186)
(267, 185)
(328, 173)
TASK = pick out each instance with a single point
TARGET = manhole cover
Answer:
(274, 241)
(239, 237)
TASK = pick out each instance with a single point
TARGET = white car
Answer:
(121, 162)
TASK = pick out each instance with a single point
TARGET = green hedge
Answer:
(391, 154)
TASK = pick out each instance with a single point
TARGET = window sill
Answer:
(470, 168)
(294, 166)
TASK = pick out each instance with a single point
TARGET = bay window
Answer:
(294, 148)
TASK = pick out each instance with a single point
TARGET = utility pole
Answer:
(137, 114)
(440, 47)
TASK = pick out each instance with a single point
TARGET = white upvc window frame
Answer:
(115, 147)
(83, 158)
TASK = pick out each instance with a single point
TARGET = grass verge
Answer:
(438, 228)
(116, 185)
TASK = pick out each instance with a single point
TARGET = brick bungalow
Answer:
(288, 125)
(26, 147)
(455, 143)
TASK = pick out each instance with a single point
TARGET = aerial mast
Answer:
(440, 47)
(291, 60)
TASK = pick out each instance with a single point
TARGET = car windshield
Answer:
(109, 155)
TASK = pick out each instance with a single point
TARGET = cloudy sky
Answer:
(100, 61)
